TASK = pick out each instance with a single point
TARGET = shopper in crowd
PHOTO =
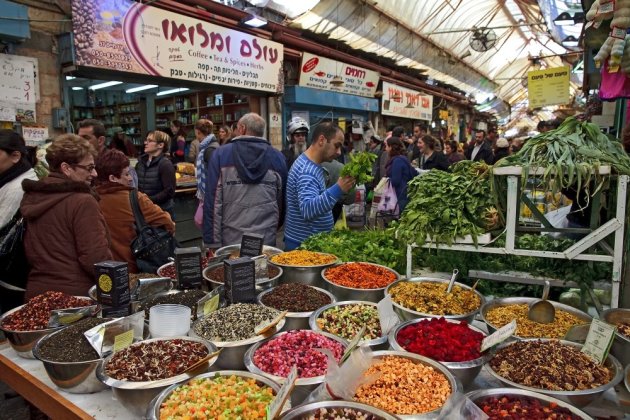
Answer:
(516, 145)
(309, 202)
(178, 142)
(399, 170)
(14, 168)
(501, 150)
(122, 143)
(429, 158)
(66, 233)
(492, 138)
(332, 171)
(542, 127)
(378, 167)
(206, 148)
(452, 153)
(245, 187)
(113, 185)
(203, 129)
(156, 174)
(480, 150)
(297, 135)
(225, 134)
(94, 132)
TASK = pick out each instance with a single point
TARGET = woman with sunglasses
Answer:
(66, 233)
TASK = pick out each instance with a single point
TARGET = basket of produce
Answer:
(303, 266)
(359, 280)
(621, 346)
(336, 410)
(214, 275)
(299, 300)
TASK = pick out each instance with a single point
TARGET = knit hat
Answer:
(10, 141)
(502, 143)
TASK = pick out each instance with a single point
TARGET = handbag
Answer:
(14, 267)
(388, 203)
(153, 246)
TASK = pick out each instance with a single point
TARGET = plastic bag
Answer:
(341, 223)
(458, 406)
(198, 218)
(117, 334)
(389, 201)
(558, 219)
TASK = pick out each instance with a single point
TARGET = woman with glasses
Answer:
(66, 233)
(156, 174)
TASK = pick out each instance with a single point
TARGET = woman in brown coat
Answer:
(113, 186)
(66, 233)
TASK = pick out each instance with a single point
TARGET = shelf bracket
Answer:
(588, 241)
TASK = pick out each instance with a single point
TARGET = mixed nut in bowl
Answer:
(304, 267)
(232, 329)
(141, 371)
(276, 356)
(334, 410)
(359, 280)
(424, 297)
(345, 319)
(214, 275)
(621, 346)
(214, 394)
(234, 251)
(455, 344)
(499, 312)
(520, 403)
(300, 300)
(556, 368)
(26, 324)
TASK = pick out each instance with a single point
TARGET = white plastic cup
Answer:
(169, 320)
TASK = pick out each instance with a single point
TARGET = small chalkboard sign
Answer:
(239, 280)
(188, 267)
(252, 245)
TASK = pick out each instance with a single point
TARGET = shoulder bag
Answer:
(14, 267)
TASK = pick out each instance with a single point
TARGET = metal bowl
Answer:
(303, 411)
(577, 398)
(526, 300)
(24, 341)
(227, 250)
(146, 288)
(260, 285)
(427, 362)
(406, 314)
(136, 396)
(303, 386)
(627, 377)
(466, 372)
(233, 352)
(305, 274)
(621, 346)
(153, 411)
(296, 320)
(379, 343)
(352, 293)
(480, 394)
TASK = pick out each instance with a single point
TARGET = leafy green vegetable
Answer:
(360, 167)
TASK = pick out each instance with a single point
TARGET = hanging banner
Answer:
(317, 72)
(548, 87)
(132, 37)
(401, 102)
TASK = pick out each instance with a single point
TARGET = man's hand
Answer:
(346, 183)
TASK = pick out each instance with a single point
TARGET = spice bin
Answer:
(296, 320)
(579, 398)
(467, 370)
(274, 275)
(621, 346)
(559, 328)
(407, 314)
(145, 288)
(349, 323)
(345, 280)
(153, 411)
(303, 385)
(481, 394)
(136, 396)
(336, 409)
(235, 250)
(305, 274)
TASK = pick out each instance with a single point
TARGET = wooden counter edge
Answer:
(38, 393)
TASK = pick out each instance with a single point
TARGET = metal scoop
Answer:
(452, 282)
(541, 310)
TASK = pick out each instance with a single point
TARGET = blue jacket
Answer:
(400, 172)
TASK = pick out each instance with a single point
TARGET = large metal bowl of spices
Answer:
(337, 410)
(231, 329)
(298, 299)
(142, 287)
(410, 386)
(558, 365)
(275, 356)
(219, 391)
(498, 396)
(464, 342)
(499, 312)
(345, 319)
(157, 357)
(303, 266)
(213, 275)
(234, 251)
(359, 280)
(426, 297)
(621, 346)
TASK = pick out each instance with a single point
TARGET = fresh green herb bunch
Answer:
(360, 167)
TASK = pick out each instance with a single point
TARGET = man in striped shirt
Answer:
(309, 203)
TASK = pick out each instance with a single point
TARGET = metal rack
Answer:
(578, 251)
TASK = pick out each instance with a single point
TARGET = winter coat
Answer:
(157, 180)
(400, 172)
(484, 153)
(500, 154)
(120, 220)
(455, 157)
(66, 235)
(437, 160)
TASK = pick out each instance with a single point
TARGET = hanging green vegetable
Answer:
(360, 167)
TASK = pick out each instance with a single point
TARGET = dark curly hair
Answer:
(396, 146)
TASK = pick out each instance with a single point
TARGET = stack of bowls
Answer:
(351, 293)
(169, 320)
(621, 346)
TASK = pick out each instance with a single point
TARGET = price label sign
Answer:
(211, 305)
(275, 408)
(122, 341)
(499, 336)
(599, 339)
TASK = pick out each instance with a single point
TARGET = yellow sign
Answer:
(123, 340)
(548, 87)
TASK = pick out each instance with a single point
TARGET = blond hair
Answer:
(161, 137)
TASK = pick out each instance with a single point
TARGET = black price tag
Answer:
(239, 280)
(252, 245)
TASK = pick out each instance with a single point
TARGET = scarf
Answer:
(14, 172)
(202, 166)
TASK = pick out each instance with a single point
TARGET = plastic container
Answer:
(169, 320)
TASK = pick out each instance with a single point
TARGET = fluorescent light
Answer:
(564, 19)
(254, 21)
(70, 77)
(104, 85)
(77, 88)
(139, 88)
(570, 41)
(166, 92)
